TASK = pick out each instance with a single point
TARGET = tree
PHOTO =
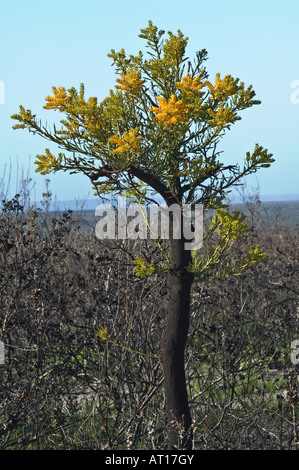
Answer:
(156, 134)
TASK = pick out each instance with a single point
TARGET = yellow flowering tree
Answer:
(156, 133)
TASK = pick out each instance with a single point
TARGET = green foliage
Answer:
(143, 268)
(215, 264)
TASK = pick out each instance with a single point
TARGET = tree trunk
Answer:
(174, 339)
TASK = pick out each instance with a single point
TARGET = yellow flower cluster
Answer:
(170, 112)
(223, 88)
(130, 82)
(174, 48)
(59, 101)
(130, 142)
(47, 163)
(222, 116)
(191, 86)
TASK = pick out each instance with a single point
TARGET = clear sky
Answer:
(65, 42)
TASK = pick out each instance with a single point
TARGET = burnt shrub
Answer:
(81, 333)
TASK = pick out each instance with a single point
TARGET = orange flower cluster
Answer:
(129, 143)
(223, 88)
(170, 112)
(191, 86)
(130, 82)
(59, 101)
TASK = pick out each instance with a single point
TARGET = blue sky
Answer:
(64, 43)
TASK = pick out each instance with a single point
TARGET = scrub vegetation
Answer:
(82, 342)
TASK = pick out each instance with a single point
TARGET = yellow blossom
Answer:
(191, 86)
(130, 142)
(59, 101)
(130, 82)
(174, 48)
(48, 163)
(170, 112)
(223, 88)
(222, 117)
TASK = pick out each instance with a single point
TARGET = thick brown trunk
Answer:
(174, 339)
